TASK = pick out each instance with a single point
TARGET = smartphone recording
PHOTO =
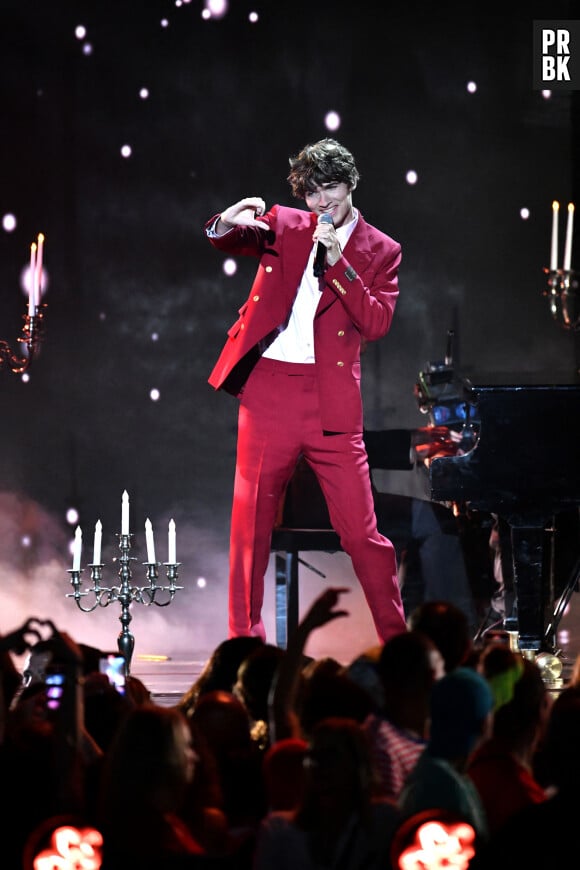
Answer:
(54, 682)
(113, 665)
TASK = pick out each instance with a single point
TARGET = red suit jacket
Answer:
(359, 294)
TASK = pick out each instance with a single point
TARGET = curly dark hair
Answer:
(319, 163)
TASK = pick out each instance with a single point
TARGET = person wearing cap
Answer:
(461, 716)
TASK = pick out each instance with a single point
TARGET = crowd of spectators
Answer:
(431, 744)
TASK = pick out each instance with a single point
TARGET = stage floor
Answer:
(170, 678)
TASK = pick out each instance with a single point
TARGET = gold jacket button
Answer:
(255, 298)
(268, 269)
(340, 332)
(340, 363)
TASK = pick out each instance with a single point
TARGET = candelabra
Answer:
(31, 337)
(125, 593)
(563, 297)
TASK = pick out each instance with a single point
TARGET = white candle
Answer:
(125, 514)
(31, 277)
(77, 547)
(568, 245)
(38, 283)
(150, 542)
(554, 248)
(171, 557)
(97, 543)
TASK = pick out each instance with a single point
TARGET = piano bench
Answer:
(287, 543)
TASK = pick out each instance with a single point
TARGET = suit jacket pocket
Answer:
(233, 330)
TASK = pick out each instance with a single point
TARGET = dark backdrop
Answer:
(137, 300)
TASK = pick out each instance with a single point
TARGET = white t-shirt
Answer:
(295, 341)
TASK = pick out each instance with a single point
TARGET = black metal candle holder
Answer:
(125, 593)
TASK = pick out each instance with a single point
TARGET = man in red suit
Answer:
(326, 282)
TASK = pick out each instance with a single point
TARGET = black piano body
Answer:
(524, 466)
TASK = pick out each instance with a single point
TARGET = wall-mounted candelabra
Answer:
(564, 297)
(31, 335)
(125, 592)
(563, 291)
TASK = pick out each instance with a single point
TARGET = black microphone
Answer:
(320, 255)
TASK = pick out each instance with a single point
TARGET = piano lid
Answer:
(525, 462)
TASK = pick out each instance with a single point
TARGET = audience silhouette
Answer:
(544, 835)
(340, 821)
(448, 627)
(408, 665)
(461, 715)
(502, 767)
(226, 727)
(220, 670)
(272, 759)
(147, 773)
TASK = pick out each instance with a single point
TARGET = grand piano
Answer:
(515, 454)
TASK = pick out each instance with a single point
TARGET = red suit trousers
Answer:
(279, 419)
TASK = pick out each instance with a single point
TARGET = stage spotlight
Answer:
(72, 516)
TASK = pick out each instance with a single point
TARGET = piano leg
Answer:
(534, 587)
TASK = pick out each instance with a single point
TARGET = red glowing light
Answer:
(71, 849)
(438, 845)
